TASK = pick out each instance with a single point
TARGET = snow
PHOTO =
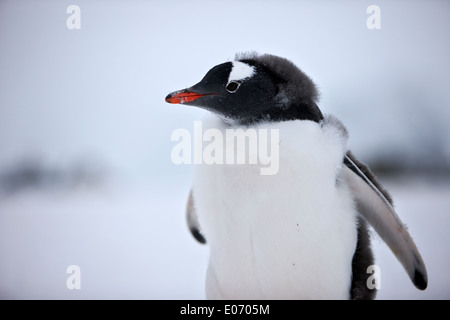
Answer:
(96, 95)
(423, 205)
(131, 242)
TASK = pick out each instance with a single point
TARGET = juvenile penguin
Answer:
(299, 232)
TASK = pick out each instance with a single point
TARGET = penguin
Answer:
(303, 232)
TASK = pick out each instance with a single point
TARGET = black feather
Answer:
(295, 83)
(297, 95)
(362, 259)
(369, 174)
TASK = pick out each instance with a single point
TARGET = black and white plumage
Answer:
(301, 233)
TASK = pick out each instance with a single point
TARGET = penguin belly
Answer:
(290, 235)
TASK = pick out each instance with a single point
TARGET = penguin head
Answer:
(254, 88)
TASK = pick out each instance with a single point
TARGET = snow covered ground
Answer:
(131, 242)
(423, 205)
(128, 242)
(87, 108)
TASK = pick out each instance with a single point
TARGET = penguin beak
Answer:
(185, 96)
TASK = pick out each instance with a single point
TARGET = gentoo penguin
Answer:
(300, 233)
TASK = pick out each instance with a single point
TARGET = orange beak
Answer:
(184, 97)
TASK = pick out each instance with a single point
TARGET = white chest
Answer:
(290, 235)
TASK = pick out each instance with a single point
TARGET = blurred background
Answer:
(86, 177)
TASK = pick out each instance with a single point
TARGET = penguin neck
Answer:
(299, 111)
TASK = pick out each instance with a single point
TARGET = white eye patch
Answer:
(240, 71)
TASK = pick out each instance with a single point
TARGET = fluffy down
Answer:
(287, 236)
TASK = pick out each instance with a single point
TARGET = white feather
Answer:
(287, 236)
(240, 71)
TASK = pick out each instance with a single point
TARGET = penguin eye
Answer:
(233, 86)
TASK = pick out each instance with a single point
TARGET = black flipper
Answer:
(375, 205)
(192, 220)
